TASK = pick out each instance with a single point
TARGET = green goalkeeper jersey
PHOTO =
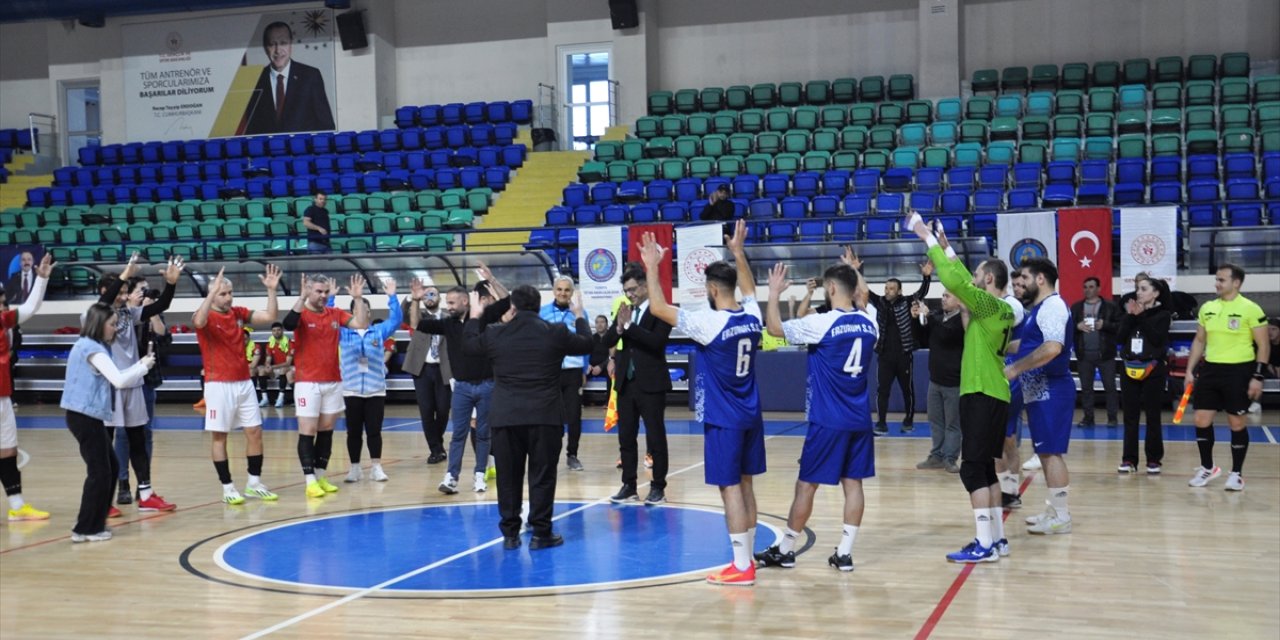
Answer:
(990, 323)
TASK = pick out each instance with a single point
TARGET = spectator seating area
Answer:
(456, 113)
(1111, 73)
(11, 141)
(786, 94)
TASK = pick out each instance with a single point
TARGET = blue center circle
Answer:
(456, 548)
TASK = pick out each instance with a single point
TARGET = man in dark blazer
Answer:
(1097, 320)
(642, 381)
(427, 360)
(526, 413)
(289, 95)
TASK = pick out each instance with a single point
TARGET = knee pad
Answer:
(974, 475)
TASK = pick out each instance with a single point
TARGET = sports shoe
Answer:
(353, 474)
(626, 494)
(907, 427)
(479, 486)
(436, 458)
(114, 513)
(1002, 547)
(101, 536)
(1153, 468)
(841, 562)
(377, 474)
(449, 485)
(618, 464)
(1010, 501)
(261, 492)
(231, 496)
(1051, 525)
(1085, 424)
(951, 467)
(648, 461)
(280, 401)
(931, 463)
(28, 512)
(324, 483)
(1127, 467)
(774, 557)
(314, 490)
(490, 473)
(124, 496)
(155, 503)
(263, 402)
(974, 552)
(1049, 512)
(573, 463)
(198, 407)
(1203, 476)
(880, 429)
(1032, 464)
(733, 576)
(656, 496)
(1234, 483)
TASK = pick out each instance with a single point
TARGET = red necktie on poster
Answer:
(279, 95)
(665, 235)
(1084, 249)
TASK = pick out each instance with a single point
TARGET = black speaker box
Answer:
(624, 14)
(351, 30)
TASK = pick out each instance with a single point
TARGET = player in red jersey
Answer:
(229, 397)
(318, 378)
(10, 477)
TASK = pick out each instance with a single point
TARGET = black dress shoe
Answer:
(512, 542)
(436, 458)
(626, 494)
(123, 496)
(546, 542)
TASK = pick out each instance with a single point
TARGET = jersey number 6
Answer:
(744, 358)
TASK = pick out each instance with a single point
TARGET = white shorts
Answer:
(314, 399)
(8, 425)
(230, 405)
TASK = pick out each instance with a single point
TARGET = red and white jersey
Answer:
(8, 320)
(315, 356)
(222, 345)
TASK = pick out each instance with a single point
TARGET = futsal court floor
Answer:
(1148, 555)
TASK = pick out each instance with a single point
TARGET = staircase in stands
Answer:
(13, 193)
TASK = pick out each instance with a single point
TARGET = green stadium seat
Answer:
(729, 166)
(769, 142)
(715, 145)
(985, 80)
(1001, 153)
(1033, 152)
(1166, 120)
(1234, 65)
(686, 101)
(742, 144)
(1233, 91)
(912, 135)
(1132, 121)
(834, 116)
(862, 115)
(1131, 146)
(787, 163)
(737, 97)
(1266, 89)
(902, 86)
(764, 95)
(751, 121)
(758, 164)
(826, 139)
(1044, 77)
(1069, 102)
(674, 168)
(725, 121)
(1136, 71)
(1003, 128)
(790, 94)
(949, 110)
(1199, 93)
(1102, 99)
(942, 133)
(646, 170)
(377, 203)
(1201, 141)
(973, 131)
(967, 154)
(817, 92)
(1014, 79)
(882, 136)
(937, 157)
(1270, 141)
(905, 158)
(806, 118)
(478, 200)
(699, 124)
(979, 108)
(1105, 73)
(1075, 76)
(1202, 67)
(778, 119)
(1200, 119)
(633, 150)
(619, 171)
(891, 113)
(459, 219)
(795, 141)
(648, 127)
(919, 111)
(1098, 148)
(1168, 69)
(1166, 144)
(871, 89)
(1235, 116)
(1237, 139)
(816, 161)
(854, 138)
(1099, 124)
(685, 147)
(845, 160)
(673, 125)
(661, 103)
(1035, 128)
(1166, 95)
(1067, 149)
(712, 99)
(608, 150)
(875, 159)
(1267, 116)
(844, 90)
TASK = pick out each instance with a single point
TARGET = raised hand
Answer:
(45, 269)
(651, 252)
(477, 307)
(926, 268)
(389, 285)
(216, 284)
(739, 239)
(417, 290)
(623, 317)
(916, 224)
(173, 270)
(778, 281)
(941, 233)
(270, 279)
(575, 304)
(1133, 307)
(850, 258)
(131, 267)
(355, 286)
(483, 271)
(810, 285)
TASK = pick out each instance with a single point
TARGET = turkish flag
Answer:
(665, 235)
(1084, 249)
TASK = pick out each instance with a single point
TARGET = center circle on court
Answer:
(442, 548)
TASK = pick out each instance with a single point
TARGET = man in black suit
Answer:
(642, 381)
(1097, 321)
(526, 413)
(289, 95)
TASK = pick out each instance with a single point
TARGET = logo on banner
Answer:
(174, 41)
(695, 265)
(1147, 249)
(1085, 234)
(601, 265)
(1025, 249)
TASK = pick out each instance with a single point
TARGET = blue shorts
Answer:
(1015, 410)
(732, 453)
(1050, 420)
(832, 454)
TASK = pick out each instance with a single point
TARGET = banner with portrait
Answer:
(1148, 243)
(699, 246)
(243, 74)
(600, 269)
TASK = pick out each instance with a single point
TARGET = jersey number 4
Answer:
(853, 365)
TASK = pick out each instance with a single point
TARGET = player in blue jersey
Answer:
(838, 448)
(1008, 467)
(727, 401)
(1048, 391)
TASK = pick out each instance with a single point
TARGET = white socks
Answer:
(228, 489)
(982, 524)
(254, 481)
(311, 477)
(16, 501)
(1058, 500)
(788, 542)
(741, 543)
(1008, 482)
(145, 492)
(846, 540)
(997, 523)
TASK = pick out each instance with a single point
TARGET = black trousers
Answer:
(139, 456)
(1144, 398)
(1086, 367)
(432, 393)
(634, 404)
(364, 416)
(95, 449)
(895, 365)
(571, 400)
(536, 447)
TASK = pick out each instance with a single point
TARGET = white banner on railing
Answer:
(1027, 235)
(600, 269)
(698, 246)
(1148, 243)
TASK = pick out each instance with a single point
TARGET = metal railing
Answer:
(52, 121)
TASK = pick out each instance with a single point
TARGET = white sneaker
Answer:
(1235, 482)
(1047, 514)
(377, 474)
(449, 485)
(1203, 476)
(263, 401)
(1050, 526)
(1002, 547)
(280, 400)
(1255, 408)
(480, 486)
(1032, 464)
(101, 536)
(354, 474)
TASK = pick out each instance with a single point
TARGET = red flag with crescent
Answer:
(1084, 249)
(664, 234)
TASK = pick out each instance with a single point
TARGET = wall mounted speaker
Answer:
(351, 30)
(624, 14)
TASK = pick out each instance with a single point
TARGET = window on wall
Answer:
(590, 99)
(84, 128)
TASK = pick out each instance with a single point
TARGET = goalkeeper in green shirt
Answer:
(984, 391)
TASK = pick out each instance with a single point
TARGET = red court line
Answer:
(941, 608)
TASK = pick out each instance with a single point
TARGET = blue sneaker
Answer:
(974, 552)
(1002, 547)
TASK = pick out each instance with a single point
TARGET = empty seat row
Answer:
(499, 112)
(766, 94)
(1111, 73)
(16, 139)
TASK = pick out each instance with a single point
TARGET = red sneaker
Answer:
(155, 503)
(733, 576)
(114, 513)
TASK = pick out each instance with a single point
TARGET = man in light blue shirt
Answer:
(572, 369)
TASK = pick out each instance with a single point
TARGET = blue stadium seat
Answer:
(845, 230)
(805, 184)
(602, 193)
(522, 111)
(780, 231)
(630, 191)
(1061, 172)
(1095, 172)
(745, 186)
(988, 200)
(1203, 215)
(406, 117)
(993, 177)
(658, 191)
(775, 185)
(825, 206)
(1164, 168)
(961, 178)
(1024, 199)
(482, 135)
(1128, 193)
(929, 179)
(498, 111)
(1244, 214)
(879, 227)
(1166, 192)
(866, 181)
(1239, 165)
(474, 112)
(586, 215)
(813, 231)
(674, 212)
(762, 208)
(889, 204)
(1027, 175)
(857, 205)
(794, 207)
(924, 202)
(835, 183)
(897, 179)
(558, 216)
(452, 113)
(429, 115)
(1202, 167)
(644, 213)
(688, 190)
(954, 202)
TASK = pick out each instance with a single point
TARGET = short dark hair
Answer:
(266, 38)
(997, 269)
(722, 273)
(1237, 273)
(134, 282)
(526, 298)
(277, 325)
(895, 281)
(634, 274)
(1093, 279)
(843, 276)
(602, 317)
(458, 289)
(95, 322)
(482, 288)
(107, 281)
(1041, 267)
(364, 300)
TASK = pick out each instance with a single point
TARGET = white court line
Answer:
(1266, 431)
(402, 424)
(400, 578)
